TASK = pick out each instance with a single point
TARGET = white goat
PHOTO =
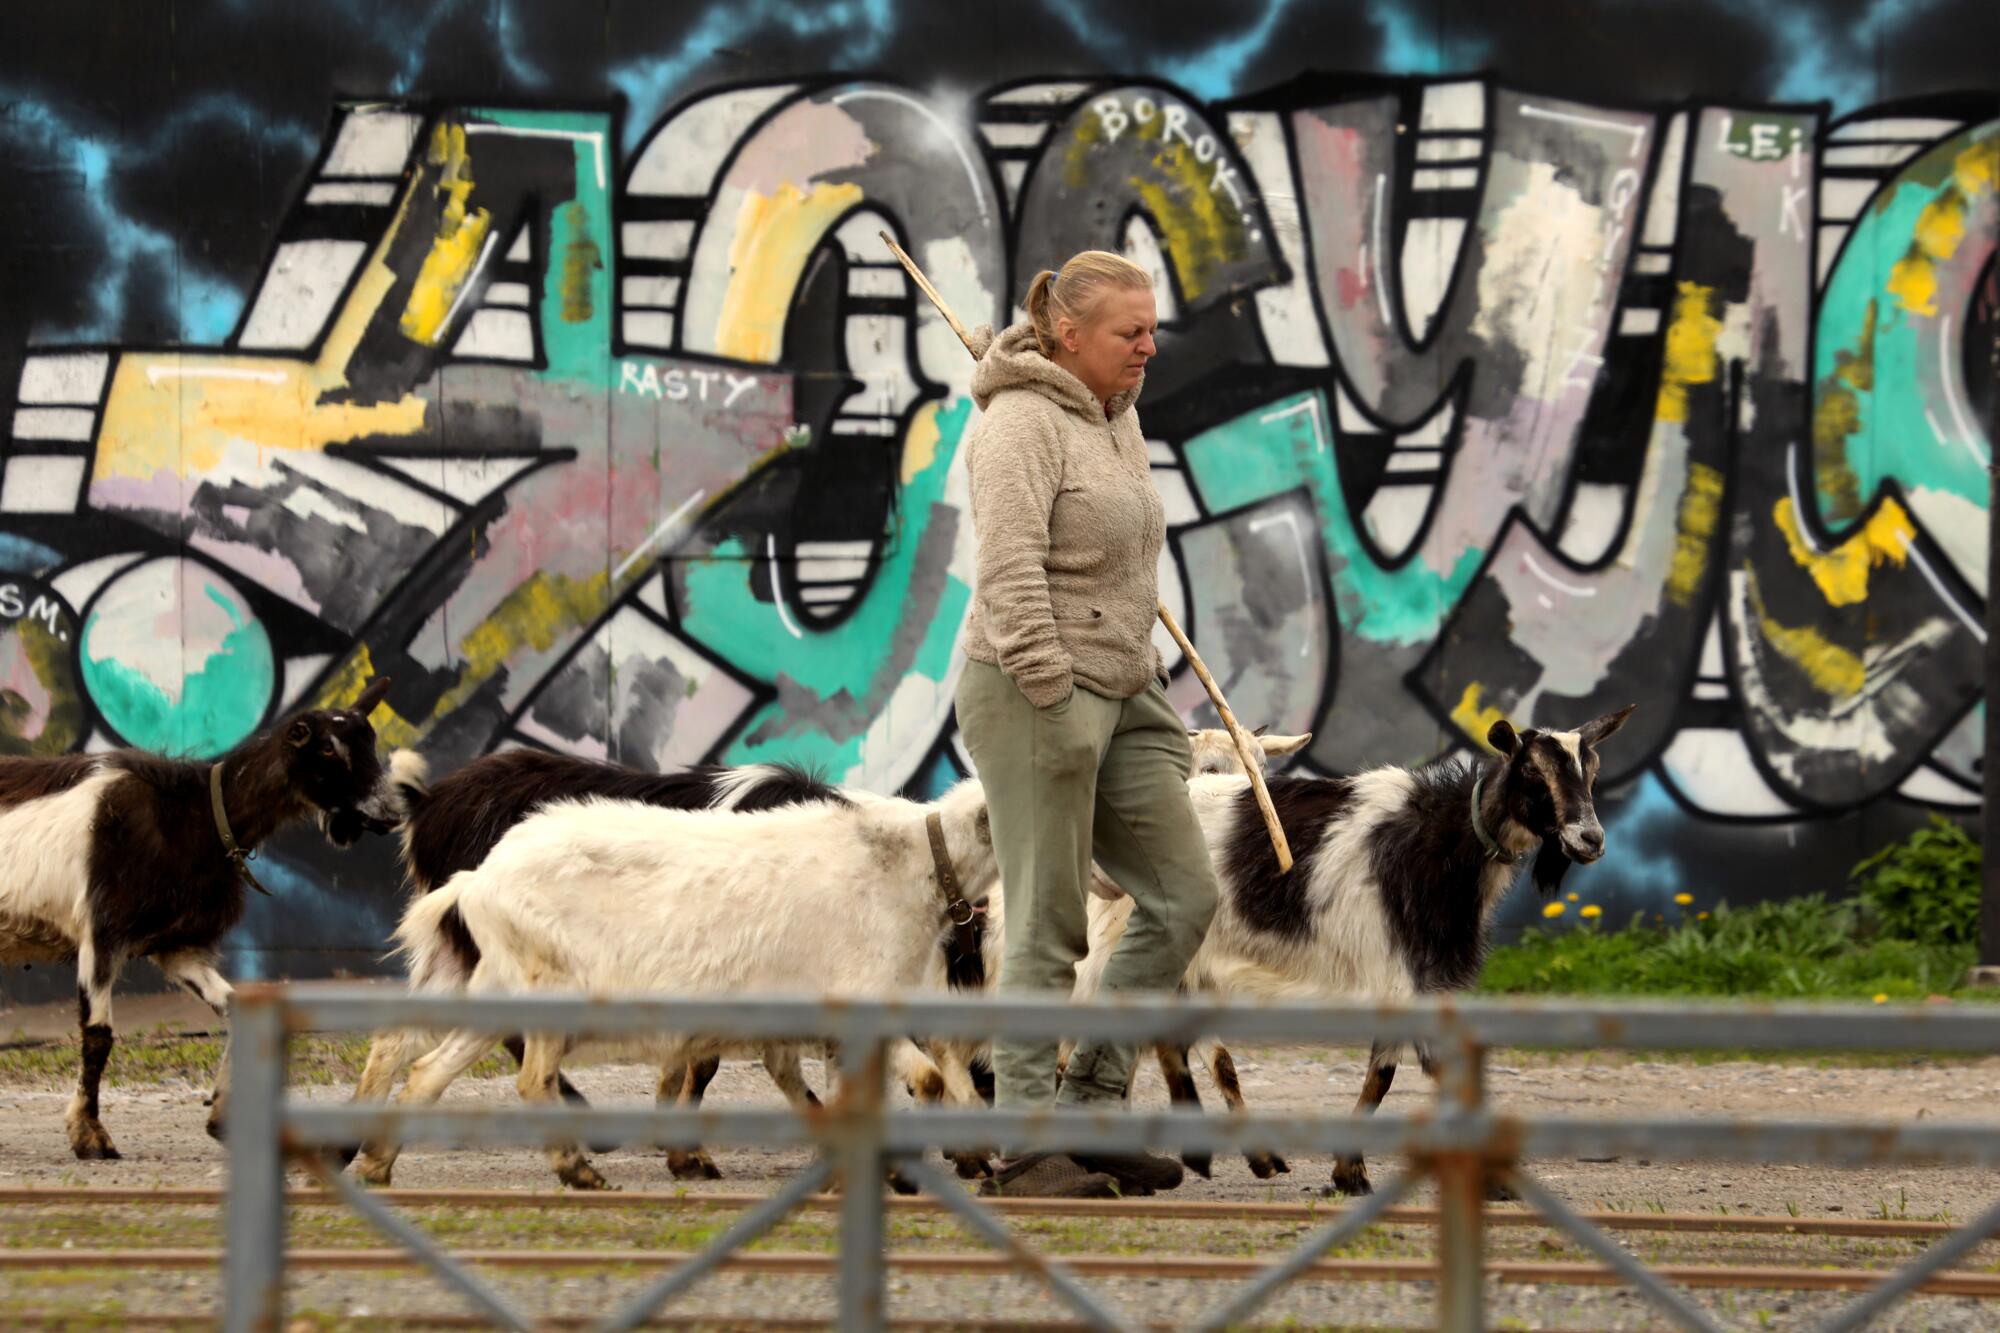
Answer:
(618, 897)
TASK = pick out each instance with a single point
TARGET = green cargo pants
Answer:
(1088, 777)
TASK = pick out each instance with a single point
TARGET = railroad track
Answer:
(1165, 1210)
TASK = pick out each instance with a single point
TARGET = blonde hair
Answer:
(1074, 293)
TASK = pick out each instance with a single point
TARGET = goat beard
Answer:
(1550, 867)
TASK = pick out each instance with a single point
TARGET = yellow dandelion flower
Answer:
(1572, 897)
(1553, 910)
(1684, 898)
(1592, 911)
(1701, 916)
(1881, 997)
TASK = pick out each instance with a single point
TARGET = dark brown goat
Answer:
(109, 857)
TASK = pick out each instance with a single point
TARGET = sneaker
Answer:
(1048, 1175)
(1135, 1172)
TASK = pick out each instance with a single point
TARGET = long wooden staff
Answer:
(1245, 743)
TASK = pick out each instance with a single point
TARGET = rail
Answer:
(1462, 1145)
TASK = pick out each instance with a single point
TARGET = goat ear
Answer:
(377, 689)
(299, 733)
(1550, 867)
(1502, 738)
(1280, 745)
(1598, 728)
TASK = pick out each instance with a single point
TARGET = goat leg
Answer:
(684, 1085)
(429, 1077)
(195, 972)
(1182, 1092)
(1222, 1068)
(540, 1082)
(95, 977)
(1350, 1176)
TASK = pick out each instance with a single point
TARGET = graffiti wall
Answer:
(575, 390)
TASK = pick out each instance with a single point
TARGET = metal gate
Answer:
(1461, 1144)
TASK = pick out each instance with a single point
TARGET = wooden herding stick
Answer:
(1245, 743)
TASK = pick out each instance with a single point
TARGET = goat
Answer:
(618, 897)
(453, 825)
(1394, 883)
(127, 854)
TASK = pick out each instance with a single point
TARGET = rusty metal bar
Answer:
(1461, 1180)
(254, 1217)
(975, 1215)
(487, 1301)
(1678, 1307)
(1352, 1222)
(1152, 1209)
(1912, 1275)
(1169, 1266)
(314, 1006)
(1837, 1143)
(748, 1227)
(857, 1111)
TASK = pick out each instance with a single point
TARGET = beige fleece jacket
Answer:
(1069, 527)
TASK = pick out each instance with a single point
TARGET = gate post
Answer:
(863, 1234)
(1461, 1178)
(254, 1211)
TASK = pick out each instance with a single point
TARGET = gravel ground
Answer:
(159, 1129)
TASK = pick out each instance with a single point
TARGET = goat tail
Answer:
(410, 776)
(434, 939)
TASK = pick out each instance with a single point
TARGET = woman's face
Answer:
(1109, 351)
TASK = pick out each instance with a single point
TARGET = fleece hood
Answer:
(1013, 360)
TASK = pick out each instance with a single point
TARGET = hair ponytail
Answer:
(1041, 317)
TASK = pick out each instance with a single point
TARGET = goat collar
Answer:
(237, 856)
(955, 906)
(1494, 851)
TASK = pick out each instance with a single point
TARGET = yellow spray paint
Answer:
(580, 261)
(1474, 717)
(1835, 670)
(182, 414)
(1842, 573)
(775, 236)
(356, 671)
(1940, 228)
(1837, 415)
(460, 235)
(1690, 349)
(919, 446)
(1701, 509)
(543, 610)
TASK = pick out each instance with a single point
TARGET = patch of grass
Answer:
(1804, 948)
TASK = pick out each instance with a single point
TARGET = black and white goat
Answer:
(619, 897)
(1395, 879)
(109, 857)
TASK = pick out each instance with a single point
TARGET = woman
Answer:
(1063, 702)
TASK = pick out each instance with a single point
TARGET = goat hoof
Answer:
(345, 1154)
(1353, 1188)
(1200, 1163)
(901, 1183)
(1264, 1165)
(218, 1129)
(582, 1176)
(971, 1165)
(370, 1170)
(692, 1166)
(97, 1149)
